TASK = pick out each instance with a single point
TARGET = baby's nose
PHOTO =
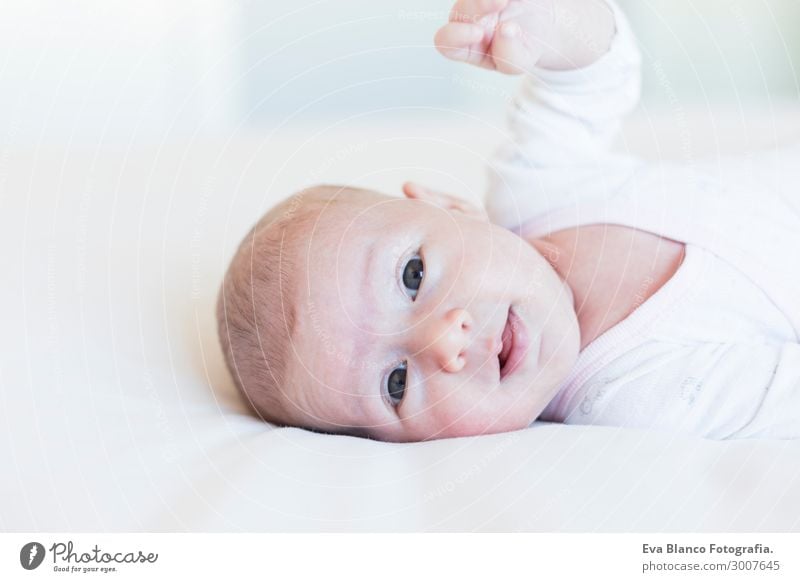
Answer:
(446, 339)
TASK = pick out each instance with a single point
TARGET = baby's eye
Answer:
(412, 275)
(396, 384)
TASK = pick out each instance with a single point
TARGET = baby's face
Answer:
(418, 322)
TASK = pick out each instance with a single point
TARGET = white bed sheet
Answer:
(117, 414)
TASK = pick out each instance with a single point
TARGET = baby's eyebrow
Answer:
(369, 300)
(370, 258)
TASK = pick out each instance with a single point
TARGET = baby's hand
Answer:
(514, 36)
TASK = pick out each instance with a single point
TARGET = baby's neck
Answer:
(553, 252)
(609, 269)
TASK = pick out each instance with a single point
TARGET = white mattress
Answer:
(117, 413)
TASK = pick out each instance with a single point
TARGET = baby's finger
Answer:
(509, 51)
(473, 10)
(454, 39)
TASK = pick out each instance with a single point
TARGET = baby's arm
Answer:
(563, 119)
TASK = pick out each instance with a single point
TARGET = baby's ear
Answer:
(447, 201)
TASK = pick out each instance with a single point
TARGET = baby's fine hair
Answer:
(256, 306)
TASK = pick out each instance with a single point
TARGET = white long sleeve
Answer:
(562, 124)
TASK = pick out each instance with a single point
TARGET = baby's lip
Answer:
(498, 341)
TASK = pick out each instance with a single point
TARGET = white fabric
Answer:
(713, 353)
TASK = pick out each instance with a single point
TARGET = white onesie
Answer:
(714, 352)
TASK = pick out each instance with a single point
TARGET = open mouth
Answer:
(515, 344)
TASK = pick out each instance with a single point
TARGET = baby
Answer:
(595, 288)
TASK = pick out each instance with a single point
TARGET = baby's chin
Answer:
(557, 349)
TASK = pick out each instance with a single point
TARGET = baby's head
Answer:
(401, 319)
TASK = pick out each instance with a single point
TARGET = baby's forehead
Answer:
(353, 219)
(337, 196)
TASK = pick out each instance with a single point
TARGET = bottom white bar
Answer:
(401, 557)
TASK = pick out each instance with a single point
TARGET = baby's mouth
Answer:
(516, 344)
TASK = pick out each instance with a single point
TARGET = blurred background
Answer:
(89, 71)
